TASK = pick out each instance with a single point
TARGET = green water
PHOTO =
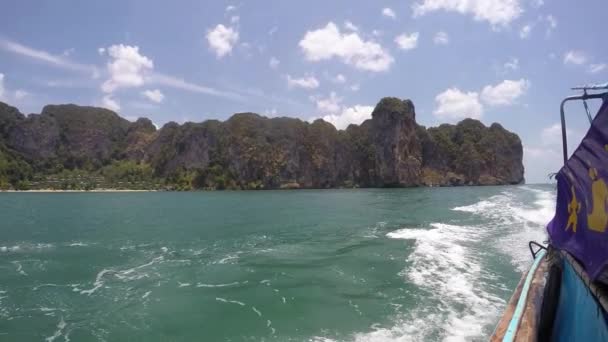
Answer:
(330, 265)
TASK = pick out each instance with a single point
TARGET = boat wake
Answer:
(459, 297)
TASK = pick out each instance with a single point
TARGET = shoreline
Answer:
(94, 190)
(247, 190)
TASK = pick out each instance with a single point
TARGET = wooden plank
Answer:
(527, 328)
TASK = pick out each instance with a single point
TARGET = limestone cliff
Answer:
(249, 151)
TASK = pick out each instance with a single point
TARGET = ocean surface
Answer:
(428, 264)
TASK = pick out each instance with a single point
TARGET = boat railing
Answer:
(602, 95)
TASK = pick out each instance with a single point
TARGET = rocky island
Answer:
(75, 147)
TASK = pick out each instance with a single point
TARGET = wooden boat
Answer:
(564, 295)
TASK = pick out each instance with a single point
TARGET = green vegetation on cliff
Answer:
(73, 147)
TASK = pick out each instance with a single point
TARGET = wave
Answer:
(443, 265)
(78, 244)
(219, 285)
(228, 259)
(26, 247)
(96, 285)
(60, 327)
(446, 263)
(224, 300)
(19, 268)
(516, 221)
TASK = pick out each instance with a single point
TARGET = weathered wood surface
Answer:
(526, 331)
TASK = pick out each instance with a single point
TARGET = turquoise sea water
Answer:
(426, 264)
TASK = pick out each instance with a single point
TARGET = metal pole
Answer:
(563, 118)
(564, 137)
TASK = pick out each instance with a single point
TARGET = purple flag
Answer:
(580, 224)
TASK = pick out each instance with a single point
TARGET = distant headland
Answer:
(70, 147)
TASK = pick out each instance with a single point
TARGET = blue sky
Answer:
(507, 61)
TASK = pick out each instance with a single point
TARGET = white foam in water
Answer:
(146, 295)
(60, 326)
(78, 244)
(183, 284)
(258, 312)
(224, 300)
(217, 285)
(19, 268)
(269, 325)
(228, 259)
(544, 208)
(26, 247)
(520, 222)
(443, 264)
(98, 282)
(477, 207)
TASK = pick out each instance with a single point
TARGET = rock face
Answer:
(471, 153)
(249, 151)
(398, 151)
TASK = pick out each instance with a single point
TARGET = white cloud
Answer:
(575, 57)
(407, 41)
(222, 39)
(110, 103)
(525, 31)
(46, 57)
(350, 26)
(328, 42)
(274, 63)
(495, 12)
(505, 92)
(68, 52)
(355, 87)
(101, 51)
(538, 3)
(154, 95)
(178, 83)
(387, 12)
(511, 64)
(7, 96)
(441, 38)
(551, 136)
(328, 105)
(235, 19)
(454, 104)
(307, 82)
(339, 79)
(20, 94)
(546, 156)
(127, 68)
(552, 23)
(595, 68)
(540, 162)
(230, 8)
(349, 115)
(377, 33)
(270, 112)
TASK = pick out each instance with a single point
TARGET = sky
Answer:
(506, 61)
